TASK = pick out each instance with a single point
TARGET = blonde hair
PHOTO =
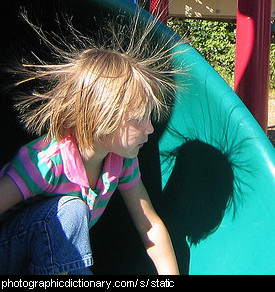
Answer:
(89, 92)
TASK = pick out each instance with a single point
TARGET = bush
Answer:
(216, 42)
(272, 66)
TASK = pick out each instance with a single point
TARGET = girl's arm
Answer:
(152, 230)
(9, 194)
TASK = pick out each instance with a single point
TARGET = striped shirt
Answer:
(45, 167)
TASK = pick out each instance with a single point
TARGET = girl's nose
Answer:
(149, 128)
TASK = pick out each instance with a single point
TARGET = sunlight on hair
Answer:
(95, 82)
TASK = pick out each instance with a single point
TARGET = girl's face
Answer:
(128, 138)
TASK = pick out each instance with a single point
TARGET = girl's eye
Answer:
(139, 121)
(136, 121)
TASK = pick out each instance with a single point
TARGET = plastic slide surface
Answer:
(207, 109)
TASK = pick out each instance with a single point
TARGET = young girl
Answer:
(97, 112)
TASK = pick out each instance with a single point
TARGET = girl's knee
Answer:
(62, 240)
(73, 208)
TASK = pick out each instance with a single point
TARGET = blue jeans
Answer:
(47, 238)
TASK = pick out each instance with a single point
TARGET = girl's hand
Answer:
(152, 230)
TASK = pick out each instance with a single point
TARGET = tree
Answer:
(215, 41)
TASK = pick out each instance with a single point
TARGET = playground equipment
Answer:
(224, 10)
(252, 56)
(253, 19)
(222, 147)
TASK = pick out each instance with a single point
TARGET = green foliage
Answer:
(215, 41)
(272, 66)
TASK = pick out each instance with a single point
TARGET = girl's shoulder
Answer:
(36, 167)
(42, 143)
(119, 163)
(44, 147)
(130, 163)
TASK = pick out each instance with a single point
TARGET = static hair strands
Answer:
(94, 83)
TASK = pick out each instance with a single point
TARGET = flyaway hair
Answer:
(95, 82)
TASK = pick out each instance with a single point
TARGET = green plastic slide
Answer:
(208, 110)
